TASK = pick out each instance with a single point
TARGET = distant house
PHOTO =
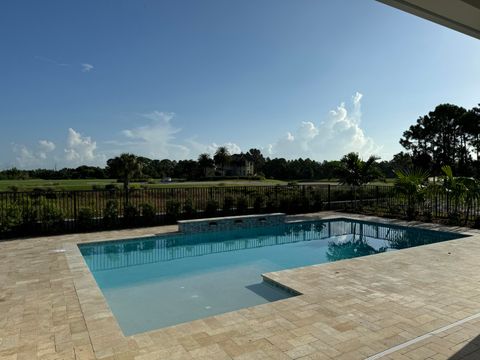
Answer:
(238, 165)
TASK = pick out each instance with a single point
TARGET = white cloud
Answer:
(80, 149)
(45, 147)
(156, 138)
(339, 134)
(26, 157)
(197, 148)
(87, 67)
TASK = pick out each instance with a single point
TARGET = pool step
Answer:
(230, 223)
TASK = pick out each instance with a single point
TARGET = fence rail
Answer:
(49, 212)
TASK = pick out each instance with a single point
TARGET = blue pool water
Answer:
(155, 282)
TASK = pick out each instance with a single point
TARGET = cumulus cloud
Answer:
(86, 67)
(24, 157)
(45, 147)
(36, 156)
(337, 135)
(80, 149)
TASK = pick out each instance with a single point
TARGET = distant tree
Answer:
(355, 172)
(221, 157)
(329, 169)
(401, 161)
(470, 123)
(205, 162)
(256, 156)
(276, 168)
(124, 167)
(186, 169)
(438, 139)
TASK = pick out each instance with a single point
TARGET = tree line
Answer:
(447, 136)
(264, 167)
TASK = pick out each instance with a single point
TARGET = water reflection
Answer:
(351, 249)
(346, 239)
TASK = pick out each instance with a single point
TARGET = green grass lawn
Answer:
(89, 184)
(335, 182)
(28, 185)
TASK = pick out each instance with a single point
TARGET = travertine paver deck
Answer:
(51, 308)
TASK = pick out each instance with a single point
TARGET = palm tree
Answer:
(354, 171)
(221, 158)
(454, 187)
(460, 188)
(411, 184)
(472, 194)
(205, 162)
(125, 167)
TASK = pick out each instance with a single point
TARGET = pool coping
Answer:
(379, 306)
(100, 320)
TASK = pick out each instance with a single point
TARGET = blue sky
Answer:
(82, 81)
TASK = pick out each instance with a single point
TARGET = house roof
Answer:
(460, 15)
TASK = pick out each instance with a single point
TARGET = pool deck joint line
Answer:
(423, 337)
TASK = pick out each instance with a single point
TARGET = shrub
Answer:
(13, 188)
(242, 204)
(454, 218)
(271, 204)
(30, 213)
(259, 203)
(149, 213)
(85, 219)
(317, 202)
(130, 215)
(50, 193)
(285, 205)
(110, 214)
(111, 187)
(10, 218)
(211, 207)
(411, 213)
(52, 218)
(427, 215)
(228, 203)
(189, 209)
(393, 210)
(173, 210)
(37, 192)
(476, 224)
(305, 204)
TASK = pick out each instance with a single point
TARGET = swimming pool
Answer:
(150, 283)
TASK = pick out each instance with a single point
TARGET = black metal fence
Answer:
(55, 212)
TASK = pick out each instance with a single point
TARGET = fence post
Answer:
(448, 204)
(329, 206)
(75, 207)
